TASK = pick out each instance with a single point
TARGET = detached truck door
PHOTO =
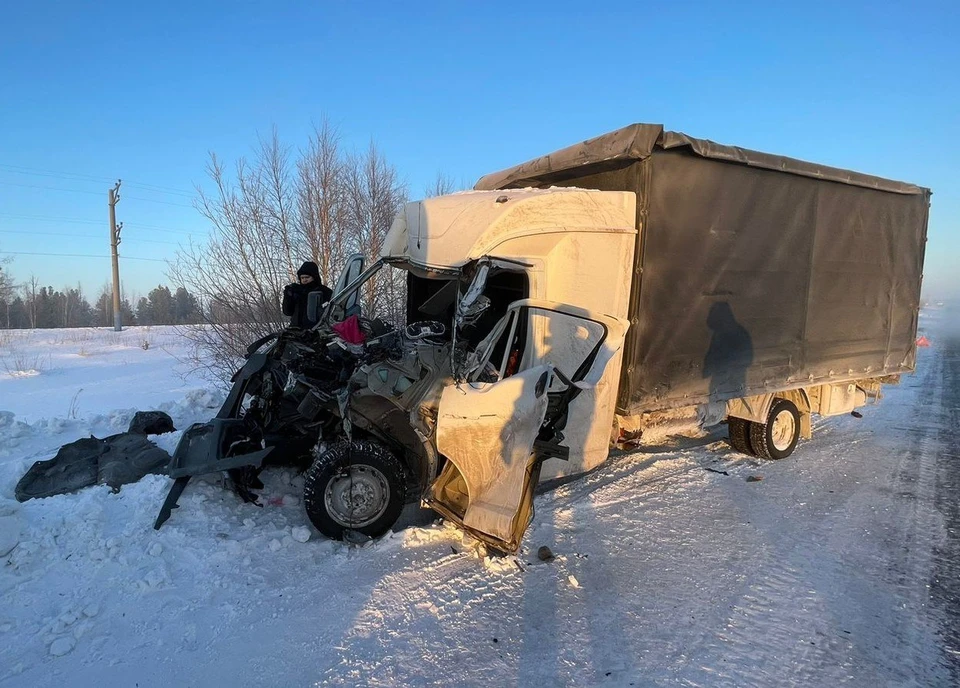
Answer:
(495, 435)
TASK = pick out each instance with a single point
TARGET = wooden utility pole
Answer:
(114, 198)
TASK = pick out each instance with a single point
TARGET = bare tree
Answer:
(441, 186)
(30, 291)
(238, 272)
(6, 280)
(265, 217)
(321, 201)
(7, 286)
(375, 197)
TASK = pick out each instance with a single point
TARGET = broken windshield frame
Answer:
(473, 293)
(471, 305)
(343, 296)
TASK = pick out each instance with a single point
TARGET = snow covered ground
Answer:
(840, 566)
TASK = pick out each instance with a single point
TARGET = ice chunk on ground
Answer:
(153, 580)
(62, 646)
(300, 533)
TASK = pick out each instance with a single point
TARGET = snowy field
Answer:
(840, 566)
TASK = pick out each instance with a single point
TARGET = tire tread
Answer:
(738, 434)
(322, 469)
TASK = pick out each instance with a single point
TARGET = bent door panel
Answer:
(487, 431)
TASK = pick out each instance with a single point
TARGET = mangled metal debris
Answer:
(115, 460)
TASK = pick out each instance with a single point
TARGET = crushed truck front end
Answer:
(499, 369)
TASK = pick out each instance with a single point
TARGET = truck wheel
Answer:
(738, 434)
(357, 486)
(777, 438)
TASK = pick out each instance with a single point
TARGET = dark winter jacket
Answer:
(295, 296)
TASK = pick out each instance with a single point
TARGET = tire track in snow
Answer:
(798, 614)
(945, 578)
(915, 484)
(431, 616)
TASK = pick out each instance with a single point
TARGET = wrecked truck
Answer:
(565, 302)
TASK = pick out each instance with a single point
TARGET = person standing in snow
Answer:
(296, 295)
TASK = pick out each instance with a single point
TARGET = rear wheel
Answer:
(778, 437)
(357, 486)
(738, 434)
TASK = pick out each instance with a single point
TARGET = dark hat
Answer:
(309, 268)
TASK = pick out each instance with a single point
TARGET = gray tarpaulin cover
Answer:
(755, 272)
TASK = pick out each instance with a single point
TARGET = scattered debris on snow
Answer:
(544, 554)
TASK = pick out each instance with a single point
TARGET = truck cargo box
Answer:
(754, 273)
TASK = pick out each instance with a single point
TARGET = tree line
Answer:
(33, 306)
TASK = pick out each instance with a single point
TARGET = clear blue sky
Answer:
(96, 91)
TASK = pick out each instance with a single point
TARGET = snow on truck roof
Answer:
(639, 141)
(450, 230)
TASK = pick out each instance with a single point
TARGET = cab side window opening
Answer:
(380, 296)
(508, 349)
(533, 336)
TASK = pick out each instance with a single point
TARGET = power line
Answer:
(75, 176)
(76, 255)
(19, 169)
(85, 236)
(94, 193)
(68, 220)
(51, 188)
(158, 229)
(42, 218)
(161, 189)
(155, 200)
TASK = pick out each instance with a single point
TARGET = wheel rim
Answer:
(784, 430)
(357, 496)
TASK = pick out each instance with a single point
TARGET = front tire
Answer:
(778, 437)
(357, 486)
